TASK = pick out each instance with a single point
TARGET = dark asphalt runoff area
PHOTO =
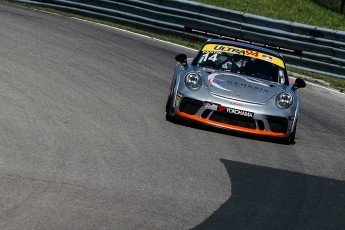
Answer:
(84, 143)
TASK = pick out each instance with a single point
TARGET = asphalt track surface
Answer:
(84, 143)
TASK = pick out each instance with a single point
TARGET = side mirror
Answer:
(299, 83)
(182, 58)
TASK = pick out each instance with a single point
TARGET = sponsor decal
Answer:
(267, 58)
(236, 104)
(220, 84)
(178, 99)
(247, 86)
(217, 81)
(228, 49)
(241, 51)
(252, 53)
(235, 111)
(281, 77)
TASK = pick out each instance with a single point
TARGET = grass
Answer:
(189, 42)
(302, 11)
(320, 79)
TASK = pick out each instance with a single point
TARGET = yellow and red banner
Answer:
(245, 52)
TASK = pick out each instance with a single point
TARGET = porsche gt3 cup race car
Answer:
(236, 86)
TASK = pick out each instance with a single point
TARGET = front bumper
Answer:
(209, 113)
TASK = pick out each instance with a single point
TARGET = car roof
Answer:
(244, 45)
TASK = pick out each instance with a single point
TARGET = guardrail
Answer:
(320, 50)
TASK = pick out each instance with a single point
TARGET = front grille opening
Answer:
(205, 113)
(278, 124)
(190, 106)
(261, 125)
(232, 119)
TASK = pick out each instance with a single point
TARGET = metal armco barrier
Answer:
(320, 50)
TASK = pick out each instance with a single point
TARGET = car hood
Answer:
(240, 87)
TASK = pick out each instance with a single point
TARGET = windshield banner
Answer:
(245, 52)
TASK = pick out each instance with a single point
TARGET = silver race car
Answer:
(236, 86)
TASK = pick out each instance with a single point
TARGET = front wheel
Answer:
(291, 139)
(169, 109)
(168, 105)
(292, 136)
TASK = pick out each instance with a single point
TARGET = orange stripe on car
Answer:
(231, 127)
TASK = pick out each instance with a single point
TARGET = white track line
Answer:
(141, 35)
(171, 43)
(326, 88)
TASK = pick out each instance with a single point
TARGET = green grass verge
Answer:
(188, 42)
(320, 79)
(302, 11)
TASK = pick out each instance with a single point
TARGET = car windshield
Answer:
(242, 61)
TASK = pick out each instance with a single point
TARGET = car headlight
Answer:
(284, 100)
(193, 81)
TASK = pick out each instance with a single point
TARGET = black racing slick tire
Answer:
(169, 109)
(168, 104)
(291, 139)
(292, 136)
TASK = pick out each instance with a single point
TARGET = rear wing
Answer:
(279, 49)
